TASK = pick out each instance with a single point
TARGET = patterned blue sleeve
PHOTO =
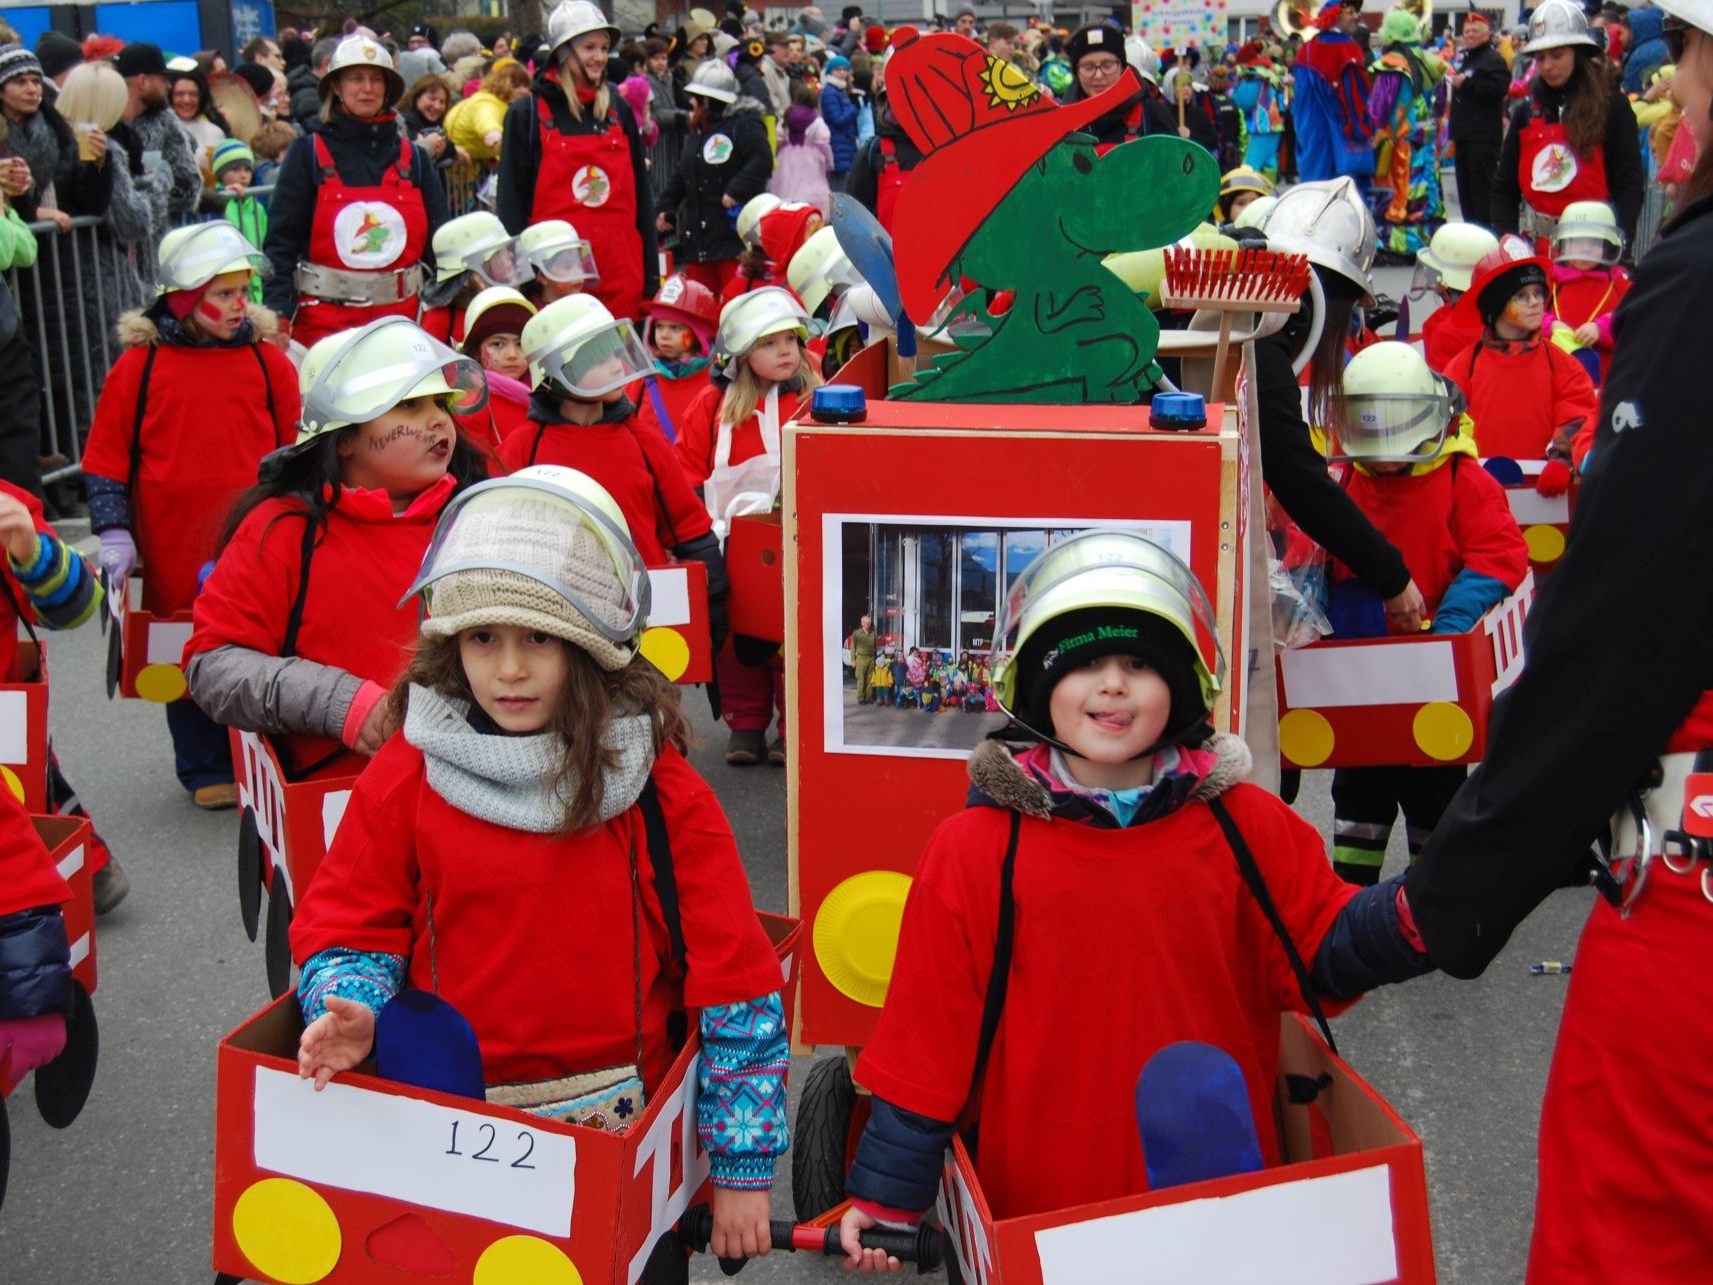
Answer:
(367, 977)
(740, 1112)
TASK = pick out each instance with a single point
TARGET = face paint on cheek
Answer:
(211, 312)
(1519, 313)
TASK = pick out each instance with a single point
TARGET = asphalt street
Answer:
(124, 1195)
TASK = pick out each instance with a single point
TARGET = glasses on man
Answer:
(1099, 68)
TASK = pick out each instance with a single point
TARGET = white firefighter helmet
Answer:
(545, 548)
(1102, 570)
(750, 216)
(713, 79)
(1587, 230)
(479, 243)
(1451, 257)
(361, 51)
(357, 375)
(820, 268)
(576, 344)
(752, 317)
(1691, 13)
(1328, 221)
(1391, 408)
(572, 19)
(555, 251)
(191, 257)
(1557, 23)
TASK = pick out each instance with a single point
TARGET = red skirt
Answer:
(1626, 1140)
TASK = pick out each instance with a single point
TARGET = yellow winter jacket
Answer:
(472, 119)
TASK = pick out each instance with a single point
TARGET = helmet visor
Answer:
(596, 363)
(540, 529)
(1427, 276)
(565, 262)
(1582, 242)
(1388, 428)
(210, 250)
(504, 264)
(376, 369)
(1104, 568)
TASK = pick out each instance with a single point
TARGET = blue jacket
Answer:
(1648, 54)
(839, 110)
(35, 964)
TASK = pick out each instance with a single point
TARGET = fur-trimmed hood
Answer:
(997, 779)
(137, 329)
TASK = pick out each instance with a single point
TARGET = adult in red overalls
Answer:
(572, 152)
(1573, 138)
(1614, 706)
(354, 205)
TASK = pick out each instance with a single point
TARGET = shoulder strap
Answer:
(1251, 872)
(666, 890)
(324, 166)
(535, 443)
(294, 621)
(407, 156)
(999, 980)
(136, 464)
(18, 607)
(267, 384)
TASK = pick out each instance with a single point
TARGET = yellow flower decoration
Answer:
(1008, 86)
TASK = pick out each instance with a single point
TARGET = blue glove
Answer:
(1468, 598)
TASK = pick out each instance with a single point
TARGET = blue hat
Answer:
(838, 62)
(232, 152)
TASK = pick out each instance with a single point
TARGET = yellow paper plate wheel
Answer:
(287, 1230)
(667, 651)
(161, 684)
(856, 933)
(10, 780)
(525, 1260)
(1305, 737)
(1546, 543)
(1443, 731)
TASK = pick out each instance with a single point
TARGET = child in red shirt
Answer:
(299, 630)
(1528, 397)
(1097, 833)
(1587, 283)
(186, 414)
(728, 445)
(1412, 470)
(680, 334)
(499, 851)
(493, 336)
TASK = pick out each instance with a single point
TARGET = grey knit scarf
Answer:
(34, 139)
(507, 779)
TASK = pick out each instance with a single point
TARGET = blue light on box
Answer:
(839, 404)
(1177, 412)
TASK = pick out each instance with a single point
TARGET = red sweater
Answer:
(699, 431)
(351, 618)
(1127, 940)
(1522, 396)
(1447, 332)
(27, 875)
(1444, 521)
(634, 464)
(205, 428)
(540, 962)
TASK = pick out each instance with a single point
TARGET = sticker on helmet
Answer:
(1554, 168)
(591, 186)
(717, 150)
(672, 291)
(368, 234)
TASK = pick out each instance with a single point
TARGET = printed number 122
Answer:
(524, 1137)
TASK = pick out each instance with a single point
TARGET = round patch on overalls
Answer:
(717, 150)
(1554, 168)
(369, 234)
(591, 186)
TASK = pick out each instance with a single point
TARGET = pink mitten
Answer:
(35, 1041)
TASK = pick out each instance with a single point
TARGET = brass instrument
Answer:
(1290, 18)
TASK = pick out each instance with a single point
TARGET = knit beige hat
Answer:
(544, 549)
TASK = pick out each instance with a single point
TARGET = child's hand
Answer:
(741, 1227)
(236, 189)
(858, 1259)
(18, 531)
(376, 728)
(1587, 334)
(338, 1040)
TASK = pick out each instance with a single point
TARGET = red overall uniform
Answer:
(636, 467)
(541, 964)
(359, 570)
(1522, 395)
(1126, 941)
(888, 184)
(1551, 171)
(186, 442)
(586, 179)
(382, 229)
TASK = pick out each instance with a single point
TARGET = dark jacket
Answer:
(1144, 113)
(666, 102)
(752, 84)
(864, 180)
(1477, 105)
(1296, 474)
(362, 151)
(520, 158)
(304, 86)
(81, 187)
(1622, 153)
(1595, 705)
(705, 229)
(839, 110)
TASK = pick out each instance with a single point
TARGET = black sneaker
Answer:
(746, 749)
(111, 885)
(776, 753)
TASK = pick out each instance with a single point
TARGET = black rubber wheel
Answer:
(950, 1263)
(5, 1150)
(277, 947)
(821, 1144)
(115, 658)
(62, 1086)
(226, 1278)
(249, 873)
